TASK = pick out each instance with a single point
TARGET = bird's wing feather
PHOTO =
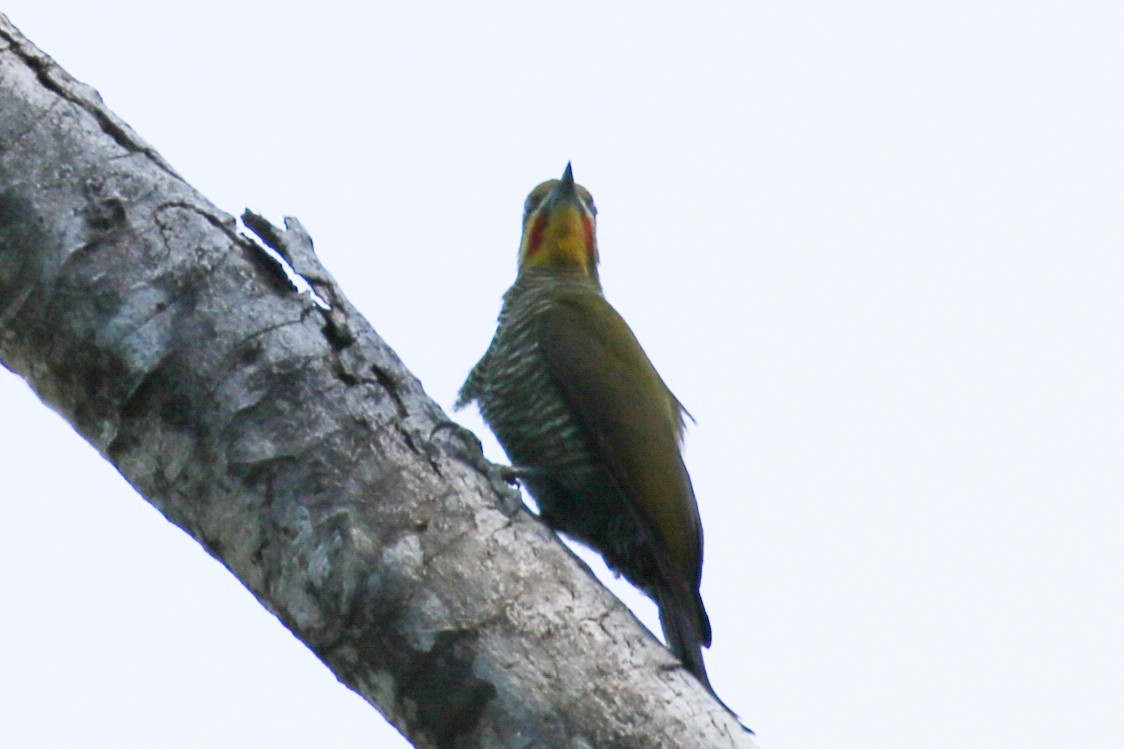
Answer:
(633, 419)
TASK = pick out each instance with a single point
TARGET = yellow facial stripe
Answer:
(560, 235)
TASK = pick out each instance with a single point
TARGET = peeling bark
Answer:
(281, 432)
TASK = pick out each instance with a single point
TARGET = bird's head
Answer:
(560, 228)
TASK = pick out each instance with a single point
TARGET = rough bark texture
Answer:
(294, 446)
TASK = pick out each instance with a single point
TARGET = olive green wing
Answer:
(632, 418)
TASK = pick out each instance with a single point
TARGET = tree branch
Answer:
(283, 434)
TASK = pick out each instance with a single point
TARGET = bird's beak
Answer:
(568, 177)
(565, 189)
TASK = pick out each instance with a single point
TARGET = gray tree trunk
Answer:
(289, 440)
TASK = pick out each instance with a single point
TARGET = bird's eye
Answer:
(536, 197)
(587, 199)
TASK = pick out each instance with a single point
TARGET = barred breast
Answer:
(529, 415)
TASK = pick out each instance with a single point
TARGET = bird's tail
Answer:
(686, 628)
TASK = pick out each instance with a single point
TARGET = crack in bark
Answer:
(389, 384)
(45, 69)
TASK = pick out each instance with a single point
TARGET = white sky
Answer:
(876, 248)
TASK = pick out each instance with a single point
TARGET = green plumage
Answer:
(595, 436)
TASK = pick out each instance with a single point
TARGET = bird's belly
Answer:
(578, 498)
(575, 493)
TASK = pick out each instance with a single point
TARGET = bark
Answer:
(281, 432)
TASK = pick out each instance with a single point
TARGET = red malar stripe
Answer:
(590, 240)
(537, 231)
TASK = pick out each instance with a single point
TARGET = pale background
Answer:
(875, 248)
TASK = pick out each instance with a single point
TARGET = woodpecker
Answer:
(591, 429)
